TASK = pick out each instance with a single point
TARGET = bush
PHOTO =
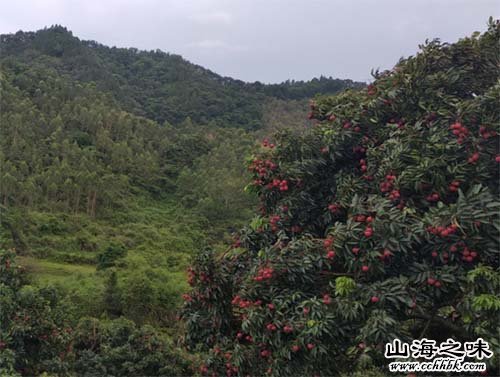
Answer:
(38, 335)
(109, 257)
(381, 222)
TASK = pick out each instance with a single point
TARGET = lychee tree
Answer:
(380, 222)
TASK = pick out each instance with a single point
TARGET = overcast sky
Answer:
(264, 40)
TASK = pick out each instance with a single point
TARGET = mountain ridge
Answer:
(156, 84)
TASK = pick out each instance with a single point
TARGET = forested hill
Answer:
(157, 85)
(116, 166)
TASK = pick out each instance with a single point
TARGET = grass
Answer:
(159, 239)
(45, 272)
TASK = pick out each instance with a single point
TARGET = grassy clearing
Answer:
(47, 272)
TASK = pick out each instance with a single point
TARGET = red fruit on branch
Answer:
(333, 208)
(328, 242)
(265, 353)
(365, 268)
(295, 348)
(310, 346)
(271, 327)
(368, 232)
(327, 300)
(474, 158)
(431, 281)
(330, 255)
(374, 299)
(394, 195)
(360, 218)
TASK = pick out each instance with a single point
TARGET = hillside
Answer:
(117, 164)
(159, 86)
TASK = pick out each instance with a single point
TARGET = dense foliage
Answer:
(40, 333)
(381, 222)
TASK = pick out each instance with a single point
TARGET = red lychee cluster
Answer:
(433, 197)
(362, 165)
(262, 167)
(267, 144)
(485, 134)
(264, 273)
(363, 219)
(265, 353)
(388, 184)
(385, 254)
(368, 232)
(238, 301)
(327, 300)
(242, 337)
(434, 282)
(443, 231)
(468, 255)
(274, 220)
(359, 149)
(453, 187)
(473, 158)
(459, 131)
(334, 208)
(327, 244)
(202, 276)
(282, 185)
(271, 327)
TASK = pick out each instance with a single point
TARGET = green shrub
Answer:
(110, 256)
